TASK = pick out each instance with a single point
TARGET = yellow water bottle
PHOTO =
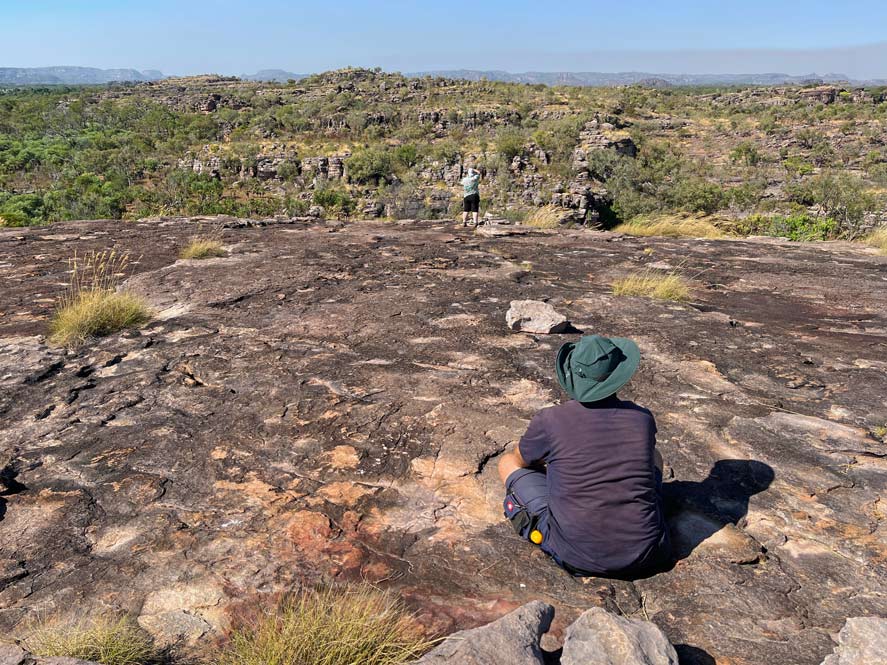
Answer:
(536, 537)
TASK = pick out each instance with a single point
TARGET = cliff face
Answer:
(328, 402)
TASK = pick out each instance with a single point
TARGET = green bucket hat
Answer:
(596, 367)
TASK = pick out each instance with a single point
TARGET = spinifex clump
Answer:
(327, 627)
(93, 304)
(105, 639)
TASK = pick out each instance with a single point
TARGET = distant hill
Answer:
(72, 75)
(602, 79)
(276, 75)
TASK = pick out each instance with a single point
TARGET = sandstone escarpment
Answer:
(328, 402)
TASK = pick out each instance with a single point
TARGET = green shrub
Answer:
(842, 197)
(798, 167)
(406, 156)
(698, 195)
(334, 200)
(446, 151)
(745, 153)
(13, 218)
(370, 165)
(509, 143)
(288, 171)
(799, 227)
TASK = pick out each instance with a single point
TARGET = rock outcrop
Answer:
(328, 403)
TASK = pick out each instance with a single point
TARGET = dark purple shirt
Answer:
(604, 500)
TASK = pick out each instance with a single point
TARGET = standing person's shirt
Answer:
(471, 184)
(605, 512)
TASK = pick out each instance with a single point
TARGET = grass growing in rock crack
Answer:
(692, 226)
(878, 239)
(328, 627)
(653, 284)
(202, 248)
(204, 245)
(107, 640)
(93, 305)
(546, 217)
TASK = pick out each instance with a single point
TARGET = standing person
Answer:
(584, 482)
(471, 196)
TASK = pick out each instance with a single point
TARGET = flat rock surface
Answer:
(328, 402)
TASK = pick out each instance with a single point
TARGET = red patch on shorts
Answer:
(510, 505)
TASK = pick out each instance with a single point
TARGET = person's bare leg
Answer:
(508, 464)
(464, 219)
(475, 217)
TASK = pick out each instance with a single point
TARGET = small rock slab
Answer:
(497, 231)
(535, 316)
(862, 641)
(513, 639)
(10, 654)
(600, 638)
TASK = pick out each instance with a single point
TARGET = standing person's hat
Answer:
(596, 367)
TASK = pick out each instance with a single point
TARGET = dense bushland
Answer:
(800, 168)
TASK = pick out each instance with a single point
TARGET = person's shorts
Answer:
(526, 502)
(526, 507)
(471, 203)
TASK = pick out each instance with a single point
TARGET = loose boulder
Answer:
(862, 641)
(534, 316)
(513, 639)
(600, 638)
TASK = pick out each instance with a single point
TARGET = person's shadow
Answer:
(8, 486)
(697, 510)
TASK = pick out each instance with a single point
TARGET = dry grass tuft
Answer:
(204, 245)
(92, 305)
(111, 641)
(329, 627)
(202, 248)
(692, 226)
(652, 284)
(546, 217)
(878, 239)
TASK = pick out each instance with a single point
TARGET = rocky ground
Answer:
(328, 402)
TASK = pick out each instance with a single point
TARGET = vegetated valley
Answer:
(800, 162)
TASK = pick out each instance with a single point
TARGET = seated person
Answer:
(584, 482)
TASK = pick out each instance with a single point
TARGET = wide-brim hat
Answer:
(596, 367)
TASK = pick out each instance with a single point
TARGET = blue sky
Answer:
(224, 36)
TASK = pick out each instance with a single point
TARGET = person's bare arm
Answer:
(510, 462)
